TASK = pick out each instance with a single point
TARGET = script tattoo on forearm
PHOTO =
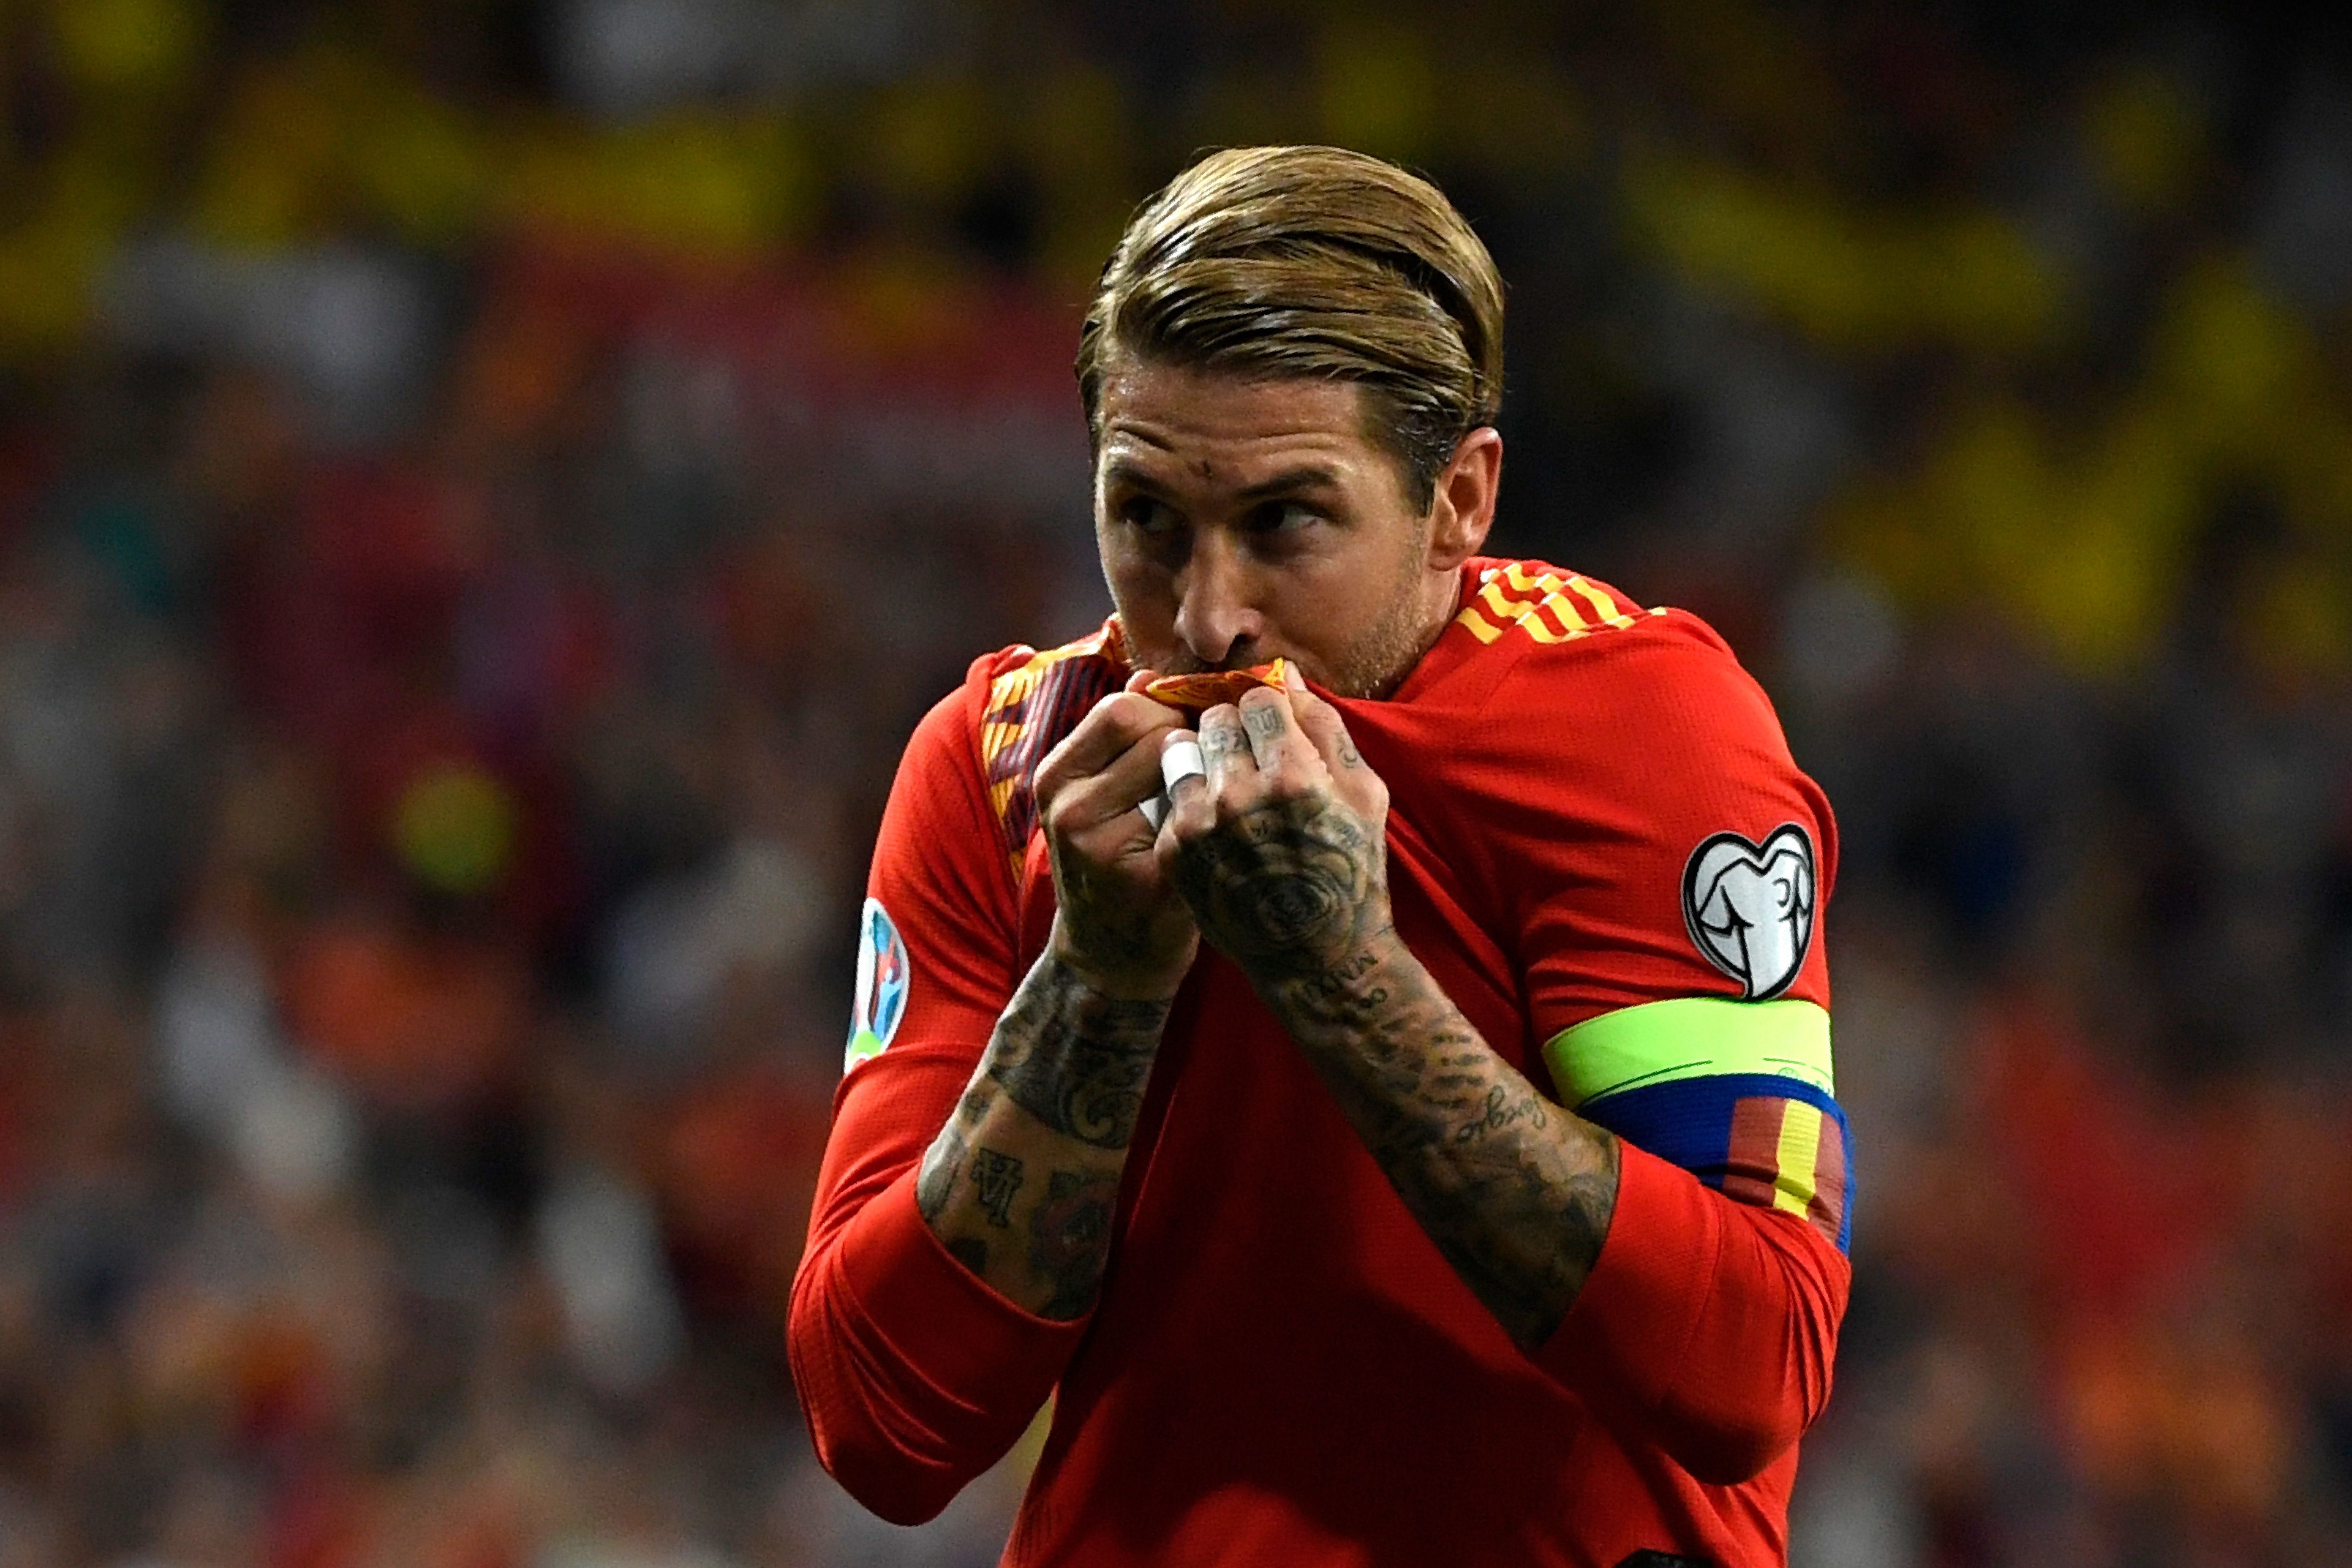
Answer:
(1058, 1090)
(1074, 1059)
(1515, 1191)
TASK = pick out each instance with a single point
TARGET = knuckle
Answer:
(1125, 712)
(1102, 719)
(1092, 731)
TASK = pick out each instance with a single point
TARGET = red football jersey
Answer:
(1601, 849)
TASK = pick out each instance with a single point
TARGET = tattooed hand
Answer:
(1117, 923)
(1280, 851)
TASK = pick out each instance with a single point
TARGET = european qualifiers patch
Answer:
(1749, 907)
(882, 976)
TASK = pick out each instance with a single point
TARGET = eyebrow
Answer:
(1289, 482)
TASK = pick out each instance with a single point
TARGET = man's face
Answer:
(1242, 520)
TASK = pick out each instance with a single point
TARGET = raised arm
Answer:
(1279, 852)
(1022, 1181)
(963, 1215)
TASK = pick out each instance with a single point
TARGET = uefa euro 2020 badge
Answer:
(1749, 907)
(881, 1000)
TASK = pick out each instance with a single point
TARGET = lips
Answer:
(1749, 907)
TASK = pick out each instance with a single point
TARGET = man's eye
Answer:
(1153, 519)
(1285, 517)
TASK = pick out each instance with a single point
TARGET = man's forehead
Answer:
(1145, 409)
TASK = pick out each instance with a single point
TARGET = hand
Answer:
(1280, 852)
(1119, 924)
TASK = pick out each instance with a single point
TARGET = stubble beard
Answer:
(1377, 663)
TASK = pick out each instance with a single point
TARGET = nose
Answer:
(1216, 607)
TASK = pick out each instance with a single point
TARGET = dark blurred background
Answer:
(485, 489)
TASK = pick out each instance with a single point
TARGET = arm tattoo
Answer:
(1058, 1090)
(998, 1177)
(1076, 1061)
(1069, 1238)
(1515, 1191)
(941, 1165)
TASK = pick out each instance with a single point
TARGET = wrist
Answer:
(1349, 987)
(1115, 982)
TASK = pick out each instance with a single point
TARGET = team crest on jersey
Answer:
(882, 977)
(1749, 907)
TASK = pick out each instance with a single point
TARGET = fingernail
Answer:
(1291, 677)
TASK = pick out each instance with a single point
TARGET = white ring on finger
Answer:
(1182, 760)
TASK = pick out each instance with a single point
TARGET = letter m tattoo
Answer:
(998, 1177)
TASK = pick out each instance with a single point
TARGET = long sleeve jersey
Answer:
(1601, 849)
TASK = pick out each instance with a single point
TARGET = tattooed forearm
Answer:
(1058, 1092)
(942, 1162)
(1069, 1239)
(1515, 1191)
(1074, 1059)
(996, 1176)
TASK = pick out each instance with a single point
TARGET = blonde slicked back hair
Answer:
(1317, 263)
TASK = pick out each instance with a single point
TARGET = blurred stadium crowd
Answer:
(485, 489)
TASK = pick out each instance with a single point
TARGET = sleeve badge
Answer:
(882, 976)
(1749, 907)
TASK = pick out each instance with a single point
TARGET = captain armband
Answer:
(1740, 1094)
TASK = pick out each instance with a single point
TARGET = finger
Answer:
(1141, 679)
(1224, 746)
(1275, 737)
(1121, 786)
(1114, 725)
(1327, 734)
(1183, 768)
(1182, 765)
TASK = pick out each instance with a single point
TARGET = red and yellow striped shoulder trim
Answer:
(1030, 707)
(1548, 607)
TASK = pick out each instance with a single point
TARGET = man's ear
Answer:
(1461, 507)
